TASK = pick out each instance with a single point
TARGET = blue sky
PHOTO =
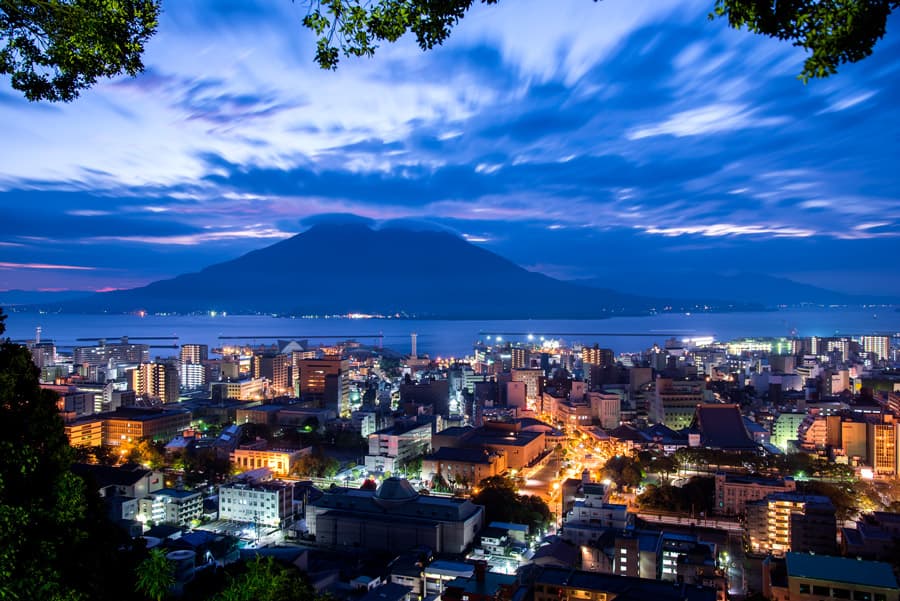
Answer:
(579, 139)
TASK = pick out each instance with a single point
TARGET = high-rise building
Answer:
(194, 353)
(156, 381)
(275, 368)
(325, 380)
(193, 375)
(597, 356)
(880, 346)
(784, 522)
(882, 446)
(123, 352)
(518, 357)
(532, 379)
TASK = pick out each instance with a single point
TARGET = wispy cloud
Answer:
(712, 119)
(8, 265)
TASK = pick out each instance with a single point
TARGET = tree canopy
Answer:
(54, 49)
(834, 32)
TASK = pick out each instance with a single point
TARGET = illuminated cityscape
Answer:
(720, 465)
(456, 300)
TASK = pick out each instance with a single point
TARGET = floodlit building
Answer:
(170, 506)
(280, 461)
(264, 503)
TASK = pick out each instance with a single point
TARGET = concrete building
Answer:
(156, 381)
(389, 449)
(280, 461)
(564, 584)
(883, 447)
(239, 390)
(674, 401)
(193, 353)
(122, 352)
(785, 428)
(192, 376)
(170, 506)
(468, 466)
(816, 577)
(880, 346)
(275, 368)
(532, 379)
(784, 522)
(607, 408)
(393, 518)
(324, 380)
(128, 424)
(733, 491)
(264, 503)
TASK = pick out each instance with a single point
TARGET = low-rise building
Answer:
(269, 503)
(469, 466)
(391, 448)
(170, 506)
(733, 491)
(280, 461)
(393, 518)
(561, 584)
(815, 577)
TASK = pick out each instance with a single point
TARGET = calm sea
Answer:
(451, 338)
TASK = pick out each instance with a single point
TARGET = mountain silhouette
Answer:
(336, 269)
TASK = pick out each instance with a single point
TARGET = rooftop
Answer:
(840, 569)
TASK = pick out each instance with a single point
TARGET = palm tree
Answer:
(155, 576)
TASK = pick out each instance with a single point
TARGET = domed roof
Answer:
(394, 491)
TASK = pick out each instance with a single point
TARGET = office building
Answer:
(130, 424)
(882, 446)
(326, 381)
(279, 461)
(391, 448)
(674, 401)
(264, 503)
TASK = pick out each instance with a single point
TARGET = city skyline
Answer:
(577, 143)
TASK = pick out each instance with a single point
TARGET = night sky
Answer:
(579, 139)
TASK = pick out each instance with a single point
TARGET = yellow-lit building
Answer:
(280, 461)
(156, 380)
(87, 432)
(882, 444)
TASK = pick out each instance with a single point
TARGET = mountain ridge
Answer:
(340, 269)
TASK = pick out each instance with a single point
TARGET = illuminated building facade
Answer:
(157, 381)
(123, 352)
(325, 380)
(280, 461)
(274, 368)
(194, 353)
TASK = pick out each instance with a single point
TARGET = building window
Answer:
(862, 596)
(804, 588)
(840, 593)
